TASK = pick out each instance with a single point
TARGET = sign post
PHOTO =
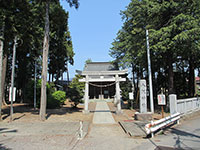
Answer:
(162, 101)
(131, 97)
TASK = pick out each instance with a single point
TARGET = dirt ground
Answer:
(128, 114)
(25, 113)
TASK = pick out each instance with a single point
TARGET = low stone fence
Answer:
(183, 106)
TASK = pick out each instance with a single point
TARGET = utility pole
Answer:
(12, 77)
(149, 71)
(35, 86)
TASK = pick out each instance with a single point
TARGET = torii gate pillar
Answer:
(118, 95)
(86, 111)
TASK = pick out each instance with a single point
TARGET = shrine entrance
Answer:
(102, 81)
(101, 90)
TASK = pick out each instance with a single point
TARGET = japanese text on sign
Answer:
(161, 99)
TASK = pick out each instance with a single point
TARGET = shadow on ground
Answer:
(2, 147)
(184, 133)
(6, 130)
(26, 108)
(62, 111)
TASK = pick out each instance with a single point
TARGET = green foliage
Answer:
(174, 34)
(125, 87)
(61, 49)
(54, 98)
(26, 19)
(89, 60)
(59, 96)
(76, 92)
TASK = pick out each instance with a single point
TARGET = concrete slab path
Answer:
(107, 137)
(102, 114)
(40, 135)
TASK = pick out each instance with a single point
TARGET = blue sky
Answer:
(93, 27)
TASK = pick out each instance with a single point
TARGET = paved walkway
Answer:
(105, 133)
(40, 135)
(102, 114)
(41, 128)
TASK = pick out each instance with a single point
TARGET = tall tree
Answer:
(45, 56)
(13, 22)
(61, 50)
(174, 40)
(1, 61)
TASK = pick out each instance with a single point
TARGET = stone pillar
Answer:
(143, 96)
(173, 103)
(86, 97)
(118, 96)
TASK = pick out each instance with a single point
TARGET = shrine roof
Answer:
(97, 69)
(99, 66)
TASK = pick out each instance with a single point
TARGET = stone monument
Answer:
(143, 114)
(143, 96)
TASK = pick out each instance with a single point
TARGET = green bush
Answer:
(125, 87)
(59, 96)
(75, 93)
(54, 98)
(52, 103)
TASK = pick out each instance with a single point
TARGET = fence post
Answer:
(193, 104)
(173, 103)
(198, 102)
(185, 107)
(80, 136)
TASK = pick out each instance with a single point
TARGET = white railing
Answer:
(177, 108)
(186, 106)
(154, 126)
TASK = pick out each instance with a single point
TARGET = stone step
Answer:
(133, 128)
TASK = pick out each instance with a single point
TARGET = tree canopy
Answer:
(174, 42)
(26, 19)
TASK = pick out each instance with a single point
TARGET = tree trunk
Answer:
(67, 78)
(43, 101)
(49, 77)
(133, 77)
(5, 58)
(170, 75)
(1, 65)
(62, 76)
(52, 76)
(191, 77)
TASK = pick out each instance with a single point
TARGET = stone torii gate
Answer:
(111, 76)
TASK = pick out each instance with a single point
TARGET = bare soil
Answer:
(128, 114)
(26, 113)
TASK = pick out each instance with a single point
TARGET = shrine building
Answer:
(102, 81)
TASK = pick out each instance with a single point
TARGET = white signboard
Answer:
(161, 99)
(130, 95)
(14, 91)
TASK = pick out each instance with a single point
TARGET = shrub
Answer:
(54, 98)
(75, 93)
(52, 103)
(59, 96)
